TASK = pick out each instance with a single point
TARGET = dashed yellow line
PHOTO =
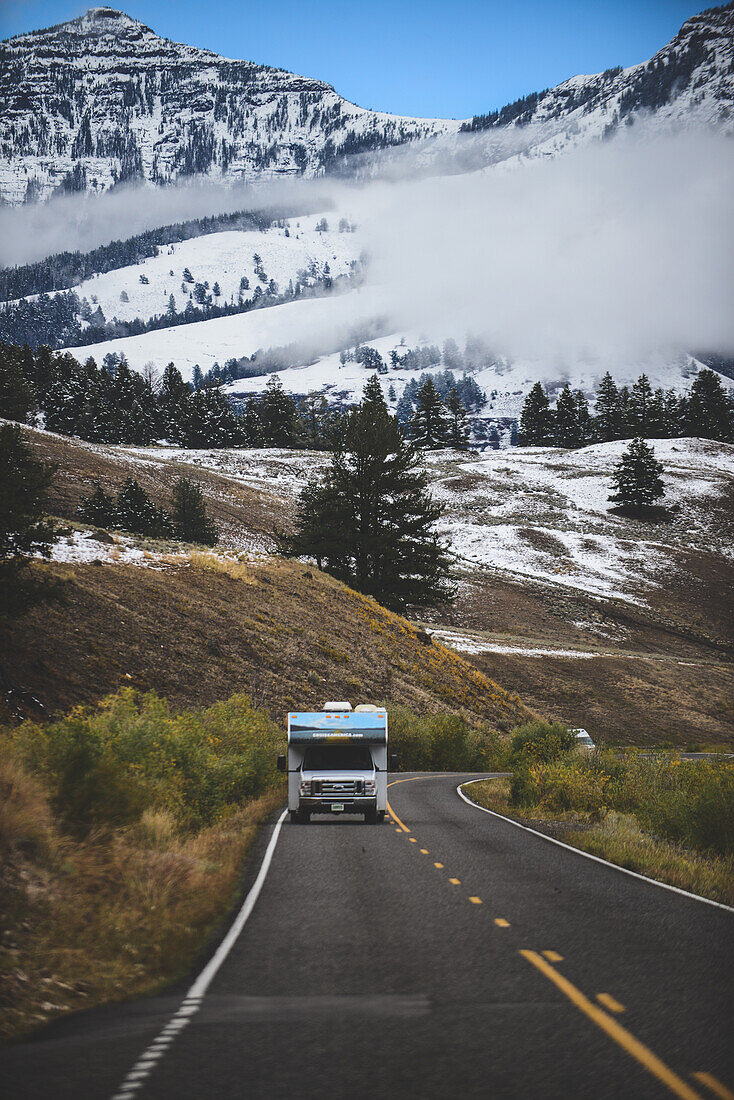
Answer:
(501, 922)
(413, 840)
(439, 865)
(424, 851)
(553, 957)
(476, 901)
(715, 1085)
(608, 1001)
(455, 881)
(614, 1030)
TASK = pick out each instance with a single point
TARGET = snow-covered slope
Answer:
(538, 514)
(689, 80)
(102, 98)
(286, 253)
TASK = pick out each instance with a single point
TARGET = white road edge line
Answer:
(588, 855)
(191, 1003)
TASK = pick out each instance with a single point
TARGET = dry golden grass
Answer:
(118, 913)
(620, 839)
(201, 630)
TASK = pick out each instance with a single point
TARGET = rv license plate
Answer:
(337, 807)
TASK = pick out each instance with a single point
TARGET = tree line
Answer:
(706, 411)
(114, 404)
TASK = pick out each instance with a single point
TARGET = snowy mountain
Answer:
(690, 78)
(103, 99)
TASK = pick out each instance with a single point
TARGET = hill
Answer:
(198, 627)
(594, 618)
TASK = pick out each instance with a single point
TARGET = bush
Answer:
(443, 742)
(131, 755)
(540, 741)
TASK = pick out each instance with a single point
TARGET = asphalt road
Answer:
(461, 958)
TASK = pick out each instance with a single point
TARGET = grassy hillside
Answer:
(200, 629)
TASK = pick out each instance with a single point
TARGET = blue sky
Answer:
(440, 58)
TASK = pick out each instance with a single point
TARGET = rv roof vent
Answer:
(337, 706)
(366, 708)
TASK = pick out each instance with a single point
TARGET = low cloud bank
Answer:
(618, 250)
(624, 248)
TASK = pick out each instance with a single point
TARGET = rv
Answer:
(337, 762)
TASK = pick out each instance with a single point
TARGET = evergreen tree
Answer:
(198, 377)
(190, 521)
(607, 412)
(173, 396)
(371, 521)
(24, 529)
(17, 400)
(136, 512)
(428, 427)
(583, 417)
(710, 411)
(641, 399)
(636, 479)
(536, 421)
(98, 508)
(566, 427)
(278, 415)
(458, 421)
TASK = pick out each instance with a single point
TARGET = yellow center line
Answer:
(413, 840)
(438, 865)
(455, 881)
(501, 922)
(614, 1030)
(553, 957)
(715, 1085)
(607, 1000)
(403, 828)
(475, 901)
(424, 851)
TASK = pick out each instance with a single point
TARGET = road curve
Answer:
(446, 953)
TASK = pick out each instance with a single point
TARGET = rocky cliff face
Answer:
(102, 99)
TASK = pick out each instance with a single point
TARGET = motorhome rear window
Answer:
(322, 758)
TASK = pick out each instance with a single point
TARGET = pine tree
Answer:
(566, 428)
(641, 397)
(710, 410)
(371, 521)
(98, 508)
(458, 421)
(24, 529)
(173, 396)
(536, 421)
(636, 479)
(136, 512)
(188, 514)
(278, 415)
(607, 412)
(428, 427)
(171, 308)
(17, 400)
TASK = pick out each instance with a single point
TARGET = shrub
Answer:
(442, 742)
(540, 741)
(110, 765)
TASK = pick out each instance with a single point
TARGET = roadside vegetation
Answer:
(122, 834)
(664, 817)
(123, 830)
